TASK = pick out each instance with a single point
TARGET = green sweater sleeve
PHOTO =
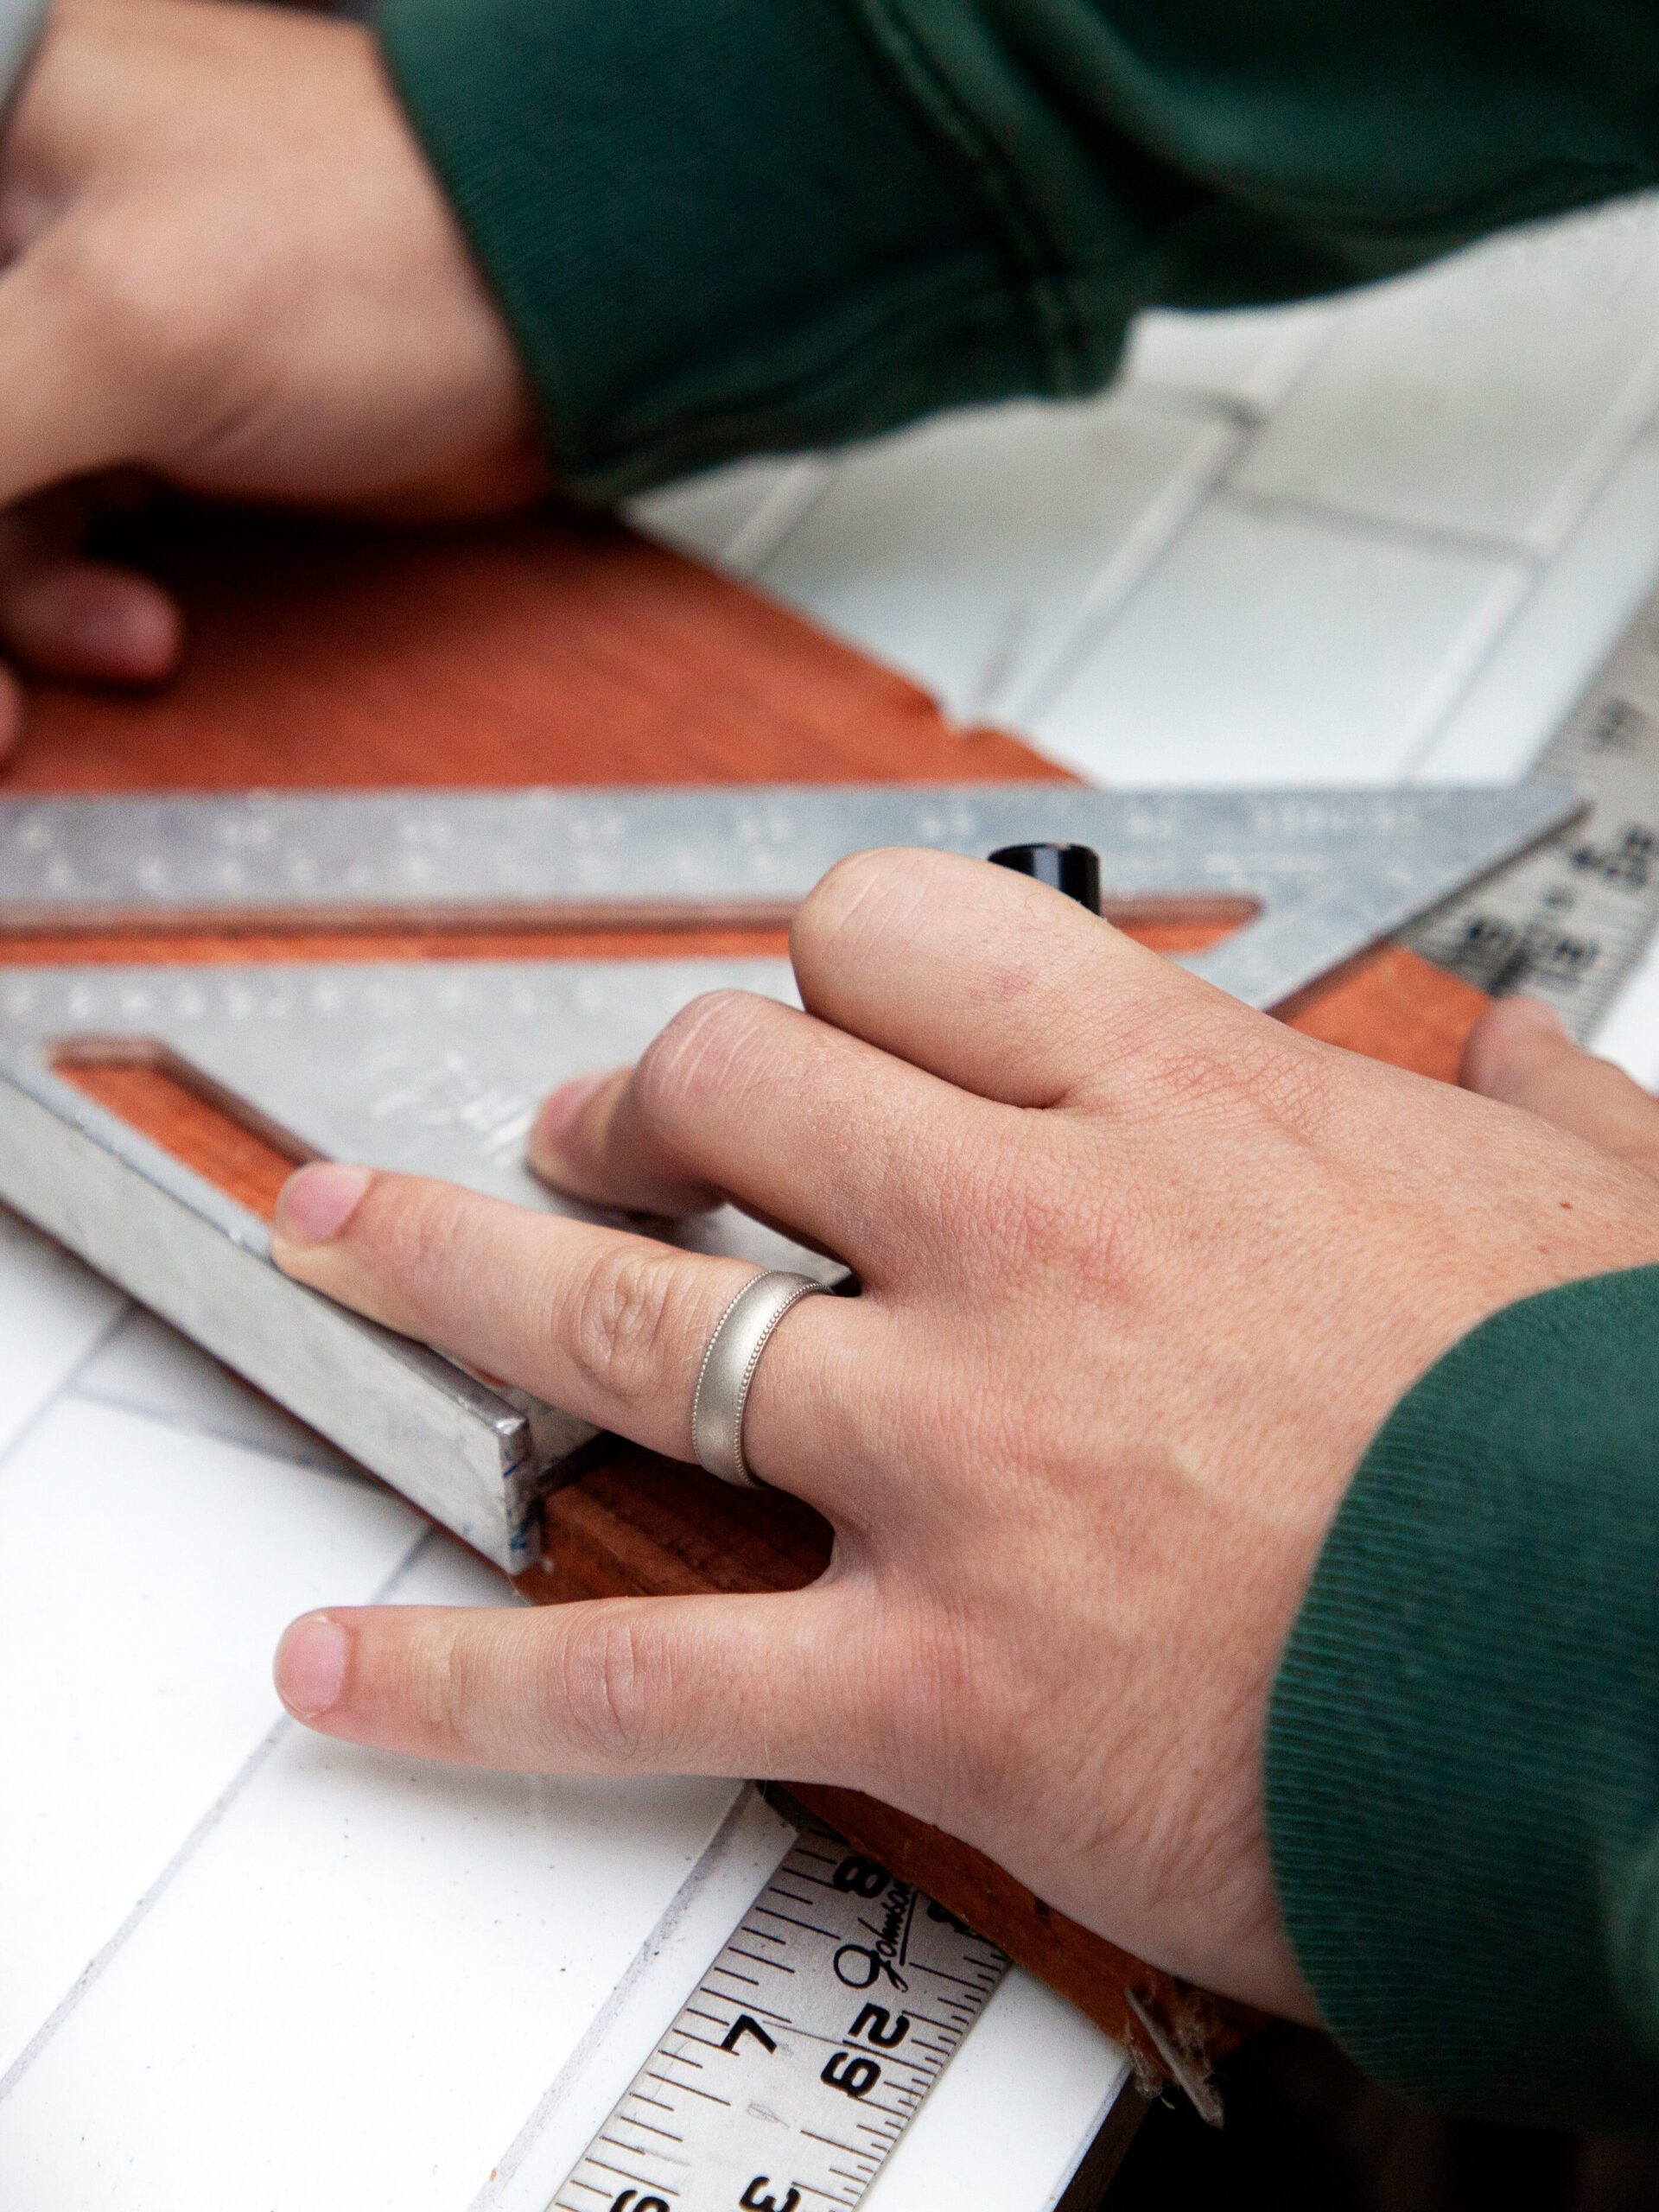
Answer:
(722, 226)
(1463, 1754)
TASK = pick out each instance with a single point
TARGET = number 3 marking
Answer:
(750, 2203)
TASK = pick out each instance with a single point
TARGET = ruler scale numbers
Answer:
(794, 2067)
(1569, 922)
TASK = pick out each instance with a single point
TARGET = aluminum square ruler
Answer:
(435, 1067)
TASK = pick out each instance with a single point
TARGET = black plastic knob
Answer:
(1074, 869)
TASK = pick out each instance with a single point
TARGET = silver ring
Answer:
(741, 1334)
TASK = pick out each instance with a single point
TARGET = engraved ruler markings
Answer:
(1569, 922)
(801, 2057)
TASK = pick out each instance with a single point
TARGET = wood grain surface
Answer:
(553, 650)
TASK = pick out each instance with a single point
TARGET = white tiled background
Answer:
(242, 1970)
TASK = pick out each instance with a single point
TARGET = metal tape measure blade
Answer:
(795, 2067)
(1569, 923)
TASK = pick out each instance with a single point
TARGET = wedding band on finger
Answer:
(741, 1334)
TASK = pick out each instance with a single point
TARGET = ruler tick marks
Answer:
(850, 2149)
(605, 2167)
(1568, 921)
(667, 2133)
(811, 1926)
(941, 1974)
(688, 2088)
(838, 2053)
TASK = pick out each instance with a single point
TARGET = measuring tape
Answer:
(1569, 922)
(803, 2054)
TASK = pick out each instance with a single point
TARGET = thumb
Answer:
(718, 1684)
(1520, 1053)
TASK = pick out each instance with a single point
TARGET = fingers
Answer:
(738, 1685)
(64, 616)
(995, 982)
(1518, 1052)
(741, 1097)
(609, 1326)
(82, 619)
(964, 978)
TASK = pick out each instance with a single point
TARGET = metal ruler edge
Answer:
(1320, 875)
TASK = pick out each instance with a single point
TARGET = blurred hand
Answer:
(227, 264)
(1143, 1273)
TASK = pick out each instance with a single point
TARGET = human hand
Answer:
(1143, 1273)
(225, 263)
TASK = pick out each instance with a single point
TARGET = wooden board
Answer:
(556, 650)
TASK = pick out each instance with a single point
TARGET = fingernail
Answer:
(311, 1666)
(560, 1113)
(316, 1204)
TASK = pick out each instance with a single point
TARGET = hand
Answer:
(1143, 1273)
(228, 264)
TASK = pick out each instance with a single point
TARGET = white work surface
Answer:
(245, 1970)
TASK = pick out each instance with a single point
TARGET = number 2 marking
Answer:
(875, 2022)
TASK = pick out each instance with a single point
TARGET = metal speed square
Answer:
(435, 1067)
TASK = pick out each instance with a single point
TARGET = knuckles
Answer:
(131, 303)
(607, 1695)
(695, 1054)
(589, 1694)
(556, 1691)
(619, 1323)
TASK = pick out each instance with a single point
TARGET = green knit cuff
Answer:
(1463, 1751)
(715, 226)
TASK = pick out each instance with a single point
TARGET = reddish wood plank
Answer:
(549, 650)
